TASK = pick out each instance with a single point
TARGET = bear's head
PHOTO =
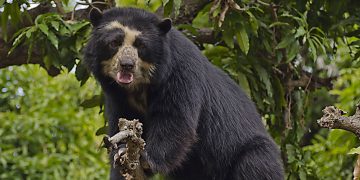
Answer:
(127, 46)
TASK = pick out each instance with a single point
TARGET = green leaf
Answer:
(300, 32)
(30, 49)
(78, 44)
(188, 28)
(53, 39)
(302, 174)
(301, 21)
(53, 55)
(357, 43)
(318, 30)
(30, 31)
(253, 23)
(77, 26)
(55, 25)
(354, 151)
(164, 2)
(243, 40)
(292, 51)
(64, 31)
(2, 2)
(81, 73)
(168, 8)
(267, 46)
(319, 42)
(228, 38)
(92, 102)
(102, 130)
(212, 51)
(4, 22)
(286, 41)
(47, 61)
(177, 4)
(353, 33)
(244, 83)
(278, 23)
(264, 78)
(43, 28)
(279, 93)
(202, 18)
(19, 36)
(66, 2)
(312, 49)
(50, 35)
(15, 13)
(357, 55)
(291, 152)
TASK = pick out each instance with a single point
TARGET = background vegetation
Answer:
(292, 57)
(44, 133)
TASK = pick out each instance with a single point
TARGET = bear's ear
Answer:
(95, 16)
(165, 25)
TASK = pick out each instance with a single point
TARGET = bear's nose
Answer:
(127, 64)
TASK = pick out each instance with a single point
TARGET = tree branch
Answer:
(189, 9)
(59, 6)
(309, 81)
(333, 118)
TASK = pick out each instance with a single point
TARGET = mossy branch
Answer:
(333, 119)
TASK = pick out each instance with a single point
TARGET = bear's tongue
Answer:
(124, 77)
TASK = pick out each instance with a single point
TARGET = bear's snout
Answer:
(127, 64)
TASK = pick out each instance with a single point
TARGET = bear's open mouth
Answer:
(124, 77)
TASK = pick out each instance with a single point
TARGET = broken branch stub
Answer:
(128, 158)
(333, 118)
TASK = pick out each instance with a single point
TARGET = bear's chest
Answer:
(138, 101)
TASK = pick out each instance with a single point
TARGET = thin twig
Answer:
(73, 12)
(309, 81)
(262, 3)
(225, 6)
(91, 4)
(59, 6)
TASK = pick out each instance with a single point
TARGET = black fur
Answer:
(198, 123)
(95, 16)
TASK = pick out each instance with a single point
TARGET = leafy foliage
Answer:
(44, 133)
(328, 154)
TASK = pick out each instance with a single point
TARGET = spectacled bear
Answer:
(198, 124)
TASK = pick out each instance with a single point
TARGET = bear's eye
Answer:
(114, 44)
(139, 44)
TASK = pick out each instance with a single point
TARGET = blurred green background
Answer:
(44, 133)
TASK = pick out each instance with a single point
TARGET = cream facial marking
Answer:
(130, 34)
(142, 71)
